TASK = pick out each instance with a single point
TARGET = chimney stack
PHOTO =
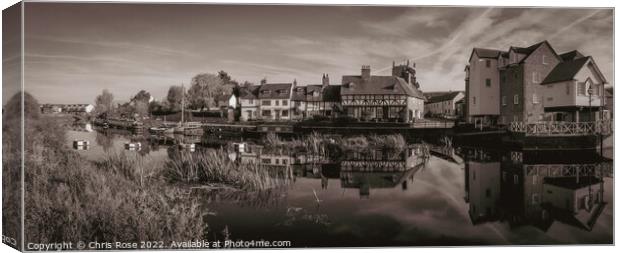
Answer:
(365, 72)
(325, 79)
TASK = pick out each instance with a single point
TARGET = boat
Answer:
(191, 147)
(187, 128)
(81, 145)
(133, 146)
(161, 130)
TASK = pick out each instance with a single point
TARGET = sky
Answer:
(74, 51)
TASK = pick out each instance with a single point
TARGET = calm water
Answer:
(457, 196)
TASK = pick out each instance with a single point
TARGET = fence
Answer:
(562, 128)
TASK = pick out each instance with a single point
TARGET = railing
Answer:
(562, 128)
(432, 124)
(604, 169)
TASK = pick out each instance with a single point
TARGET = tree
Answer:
(141, 102)
(175, 96)
(103, 102)
(203, 90)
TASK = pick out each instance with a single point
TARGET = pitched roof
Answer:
(486, 53)
(379, 85)
(572, 55)
(327, 93)
(565, 71)
(299, 93)
(275, 90)
(527, 51)
(443, 97)
(250, 92)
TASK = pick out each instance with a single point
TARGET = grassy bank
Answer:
(121, 198)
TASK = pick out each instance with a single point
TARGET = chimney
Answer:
(325, 79)
(365, 72)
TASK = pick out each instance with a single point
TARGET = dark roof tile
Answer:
(565, 71)
(379, 85)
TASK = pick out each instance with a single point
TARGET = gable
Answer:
(543, 49)
(590, 71)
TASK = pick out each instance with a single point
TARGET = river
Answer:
(457, 196)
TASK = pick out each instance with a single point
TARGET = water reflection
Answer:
(424, 195)
(535, 188)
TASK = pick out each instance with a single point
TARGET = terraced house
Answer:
(394, 98)
(532, 84)
(316, 99)
(444, 104)
(249, 103)
(275, 99)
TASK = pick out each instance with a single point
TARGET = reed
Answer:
(68, 198)
(214, 167)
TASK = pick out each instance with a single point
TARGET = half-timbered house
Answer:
(394, 98)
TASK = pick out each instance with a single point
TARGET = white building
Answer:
(443, 104)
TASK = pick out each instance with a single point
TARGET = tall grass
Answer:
(214, 167)
(68, 198)
(318, 143)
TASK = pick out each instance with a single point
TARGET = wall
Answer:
(487, 98)
(534, 112)
(511, 85)
(276, 110)
(249, 105)
(483, 177)
(416, 105)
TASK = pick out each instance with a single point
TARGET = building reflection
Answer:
(535, 188)
(370, 169)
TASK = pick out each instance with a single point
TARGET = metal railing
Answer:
(562, 128)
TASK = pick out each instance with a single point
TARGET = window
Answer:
(266, 113)
(535, 77)
(515, 118)
(285, 113)
(488, 82)
(503, 100)
(474, 100)
(277, 102)
(535, 99)
(266, 161)
(544, 60)
(516, 99)
(284, 102)
(581, 88)
(251, 101)
(488, 62)
(266, 102)
(595, 90)
(297, 103)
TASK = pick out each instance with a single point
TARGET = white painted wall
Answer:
(487, 98)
